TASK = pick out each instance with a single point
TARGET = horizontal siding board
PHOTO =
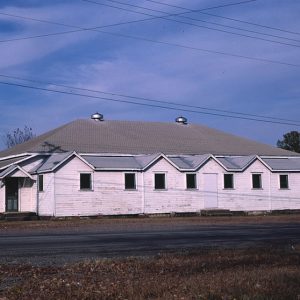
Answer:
(46, 197)
(62, 195)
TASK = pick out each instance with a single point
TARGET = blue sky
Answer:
(115, 64)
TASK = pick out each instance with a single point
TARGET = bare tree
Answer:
(18, 136)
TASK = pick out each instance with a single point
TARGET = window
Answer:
(284, 181)
(130, 183)
(191, 182)
(85, 181)
(256, 181)
(41, 183)
(160, 181)
(228, 181)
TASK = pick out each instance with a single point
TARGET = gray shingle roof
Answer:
(7, 171)
(235, 162)
(131, 137)
(189, 162)
(137, 162)
(50, 161)
(283, 164)
(7, 162)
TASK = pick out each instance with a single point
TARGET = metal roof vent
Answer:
(181, 120)
(97, 117)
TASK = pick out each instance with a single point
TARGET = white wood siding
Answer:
(68, 199)
(46, 197)
(285, 198)
(176, 198)
(107, 197)
(62, 195)
(243, 196)
(27, 201)
(2, 197)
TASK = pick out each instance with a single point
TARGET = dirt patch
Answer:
(272, 273)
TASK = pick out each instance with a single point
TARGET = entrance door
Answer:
(210, 190)
(12, 194)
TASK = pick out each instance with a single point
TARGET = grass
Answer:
(129, 223)
(272, 273)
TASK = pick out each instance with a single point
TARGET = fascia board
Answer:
(64, 160)
(200, 165)
(249, 163)
(117, 169)
(152, 161)
(20, 169)
(14, 156)
(161, 155)
(219, 163)
(285, 171)
(264, 163)
(18, 161)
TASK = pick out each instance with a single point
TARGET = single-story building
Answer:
(101, 167)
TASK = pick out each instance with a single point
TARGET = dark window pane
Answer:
(41, 183)
(130, 181)
(85, 181)
(284, 181)
(256, 181)
(228, 181)
(191, 181)
(160, 183)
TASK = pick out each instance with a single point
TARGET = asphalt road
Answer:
(56, 247)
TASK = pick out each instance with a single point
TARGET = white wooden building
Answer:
(98, 167)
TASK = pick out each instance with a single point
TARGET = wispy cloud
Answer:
(134, 67)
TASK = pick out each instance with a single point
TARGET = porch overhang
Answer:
(14, 171)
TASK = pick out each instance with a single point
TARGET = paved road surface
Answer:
(56, 247)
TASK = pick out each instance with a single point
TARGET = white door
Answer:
(210, 192)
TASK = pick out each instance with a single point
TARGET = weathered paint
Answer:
(62, 195)
(26, 199)
(45, 198)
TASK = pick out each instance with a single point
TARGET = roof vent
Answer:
(97, 117)
(181, 120)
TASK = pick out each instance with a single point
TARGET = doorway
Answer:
(210, 190)
(12, 194)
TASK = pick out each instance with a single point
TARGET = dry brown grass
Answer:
(272, 273)
(116, 223)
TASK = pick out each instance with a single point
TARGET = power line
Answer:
(116, 24)
(115, 185)
(144, 104)
(126, 36)
(184, 22)
(145, 99)
(227, 18)
(218, 6)
(209, 22)
(95, 27)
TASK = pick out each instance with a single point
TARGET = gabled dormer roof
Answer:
(13, 169)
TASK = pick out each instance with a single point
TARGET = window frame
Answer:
(232, 181)
(165, 181)
(195, 181)
(91, 181)
(260, 181)
(287, 182)
(41, 183)
(135, 181)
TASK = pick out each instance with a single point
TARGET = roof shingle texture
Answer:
(133, 137)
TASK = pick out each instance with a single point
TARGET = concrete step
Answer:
(215, 212)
